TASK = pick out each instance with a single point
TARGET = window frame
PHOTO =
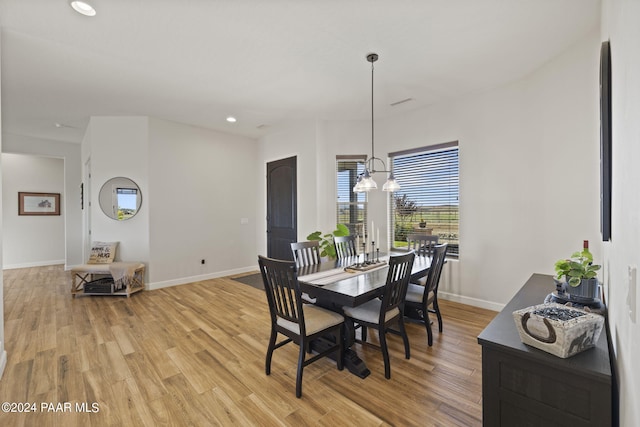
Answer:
(354, 227)
(452, 227)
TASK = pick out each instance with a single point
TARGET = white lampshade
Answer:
(366, 183)
(369, 184)
(391, 185)
(358, 188)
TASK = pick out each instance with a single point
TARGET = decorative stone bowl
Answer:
(557, 329)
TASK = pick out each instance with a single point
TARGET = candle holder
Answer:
(377, 254)
(373, 250)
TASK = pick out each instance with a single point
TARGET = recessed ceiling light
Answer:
(231, 119)
(82, 7)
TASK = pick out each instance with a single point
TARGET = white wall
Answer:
(194, 200)
(349, 138)
(620, 26)
(524, 200)
(30, 241)
(202, 184)
(299, 141)
(71, 210)
(118, 147)
(3, 352)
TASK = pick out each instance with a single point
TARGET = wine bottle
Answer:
(585, 249)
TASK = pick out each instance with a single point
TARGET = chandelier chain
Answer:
(372, 131)
(365, 182)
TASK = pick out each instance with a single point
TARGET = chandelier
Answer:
(365, 182)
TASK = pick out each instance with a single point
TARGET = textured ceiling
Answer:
(267, 62)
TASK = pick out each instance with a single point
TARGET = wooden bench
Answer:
(85, 273)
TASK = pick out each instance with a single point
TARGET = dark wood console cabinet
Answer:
(524, 386)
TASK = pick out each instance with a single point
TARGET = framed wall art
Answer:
(38, 203)
(605, 141)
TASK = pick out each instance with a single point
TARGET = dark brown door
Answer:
(282, 202)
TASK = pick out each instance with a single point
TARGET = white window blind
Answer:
(351, 207)
(429, 194)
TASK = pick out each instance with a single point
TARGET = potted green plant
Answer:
(423, 222)
(327, 248)
(578, 275)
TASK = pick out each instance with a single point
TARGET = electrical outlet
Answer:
(202, 262)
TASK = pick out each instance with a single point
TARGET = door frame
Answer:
(291, 161)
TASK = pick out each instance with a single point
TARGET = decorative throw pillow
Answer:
(103, 252)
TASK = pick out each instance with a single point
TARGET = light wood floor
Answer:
(193, 355)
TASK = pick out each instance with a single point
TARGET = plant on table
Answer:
(327, 248)
(580, 266)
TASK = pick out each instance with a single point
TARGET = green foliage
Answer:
(402, 231)
(405, 210)
(579, 266)
(404, 206)
(327, 247)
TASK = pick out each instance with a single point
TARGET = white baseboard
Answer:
(32, 264)
(3, 362)
(489, 305)
(199, 278)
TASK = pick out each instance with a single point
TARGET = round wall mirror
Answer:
(120, 198)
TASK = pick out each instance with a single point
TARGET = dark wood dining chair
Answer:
(306, 253)
(424, 299)
(345, 246)
(382, 313)
(300, 323)
(421, 244)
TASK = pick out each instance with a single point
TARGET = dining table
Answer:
(351, 281)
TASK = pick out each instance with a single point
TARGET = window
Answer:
(351, 207)
(126, 201)
(428, 198)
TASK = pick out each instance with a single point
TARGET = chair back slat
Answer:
(283, 290)
(437, 262)
(345, 246)
(422, 244)
(306, 253)
(397, 282)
